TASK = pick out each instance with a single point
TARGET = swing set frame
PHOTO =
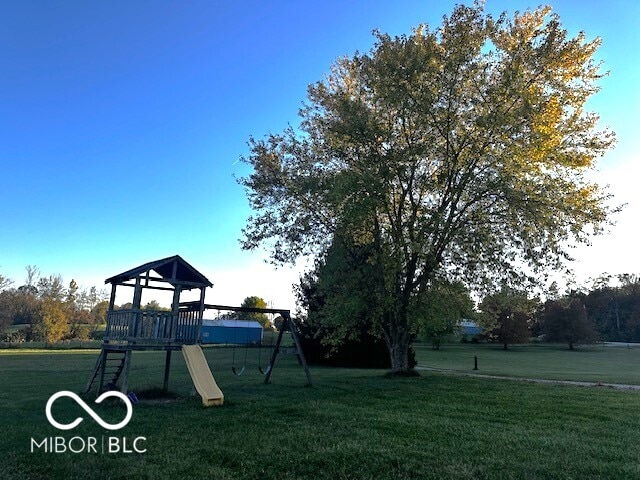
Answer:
(287, 325)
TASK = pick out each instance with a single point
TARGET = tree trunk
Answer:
(505, 346)
(399, 353)
(570, 345)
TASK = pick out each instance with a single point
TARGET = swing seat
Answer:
(236, 372)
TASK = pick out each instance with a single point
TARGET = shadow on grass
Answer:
(403, 374)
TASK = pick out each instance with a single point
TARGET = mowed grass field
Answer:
(351, 424)
(590, 363)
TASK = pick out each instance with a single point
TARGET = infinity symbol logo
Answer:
(88, 409)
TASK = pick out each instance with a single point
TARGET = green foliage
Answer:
(53, 324)
(79, 331)
(17, 336)
(87, 299)
(81, 324)
(615, 308)
(54, 312)
(277, 322)
(72, 293)
(445, 304)
(338, 296)
(6, 311)
(507, 316)
(360, 350)
(153, 305)
(567, 321)
(341, 327)
(79, 317)
(18, 307)
(455, 153)
(251, 302)
(256, 302)
(99, 312)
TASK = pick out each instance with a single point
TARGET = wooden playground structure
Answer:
(137, 329)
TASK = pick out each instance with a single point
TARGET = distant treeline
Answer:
(49, 310)
(613, 305)
(609, 310)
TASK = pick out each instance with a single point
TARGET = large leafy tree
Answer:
(566, 321)
(252, 302)
(507, 315)
(458, 152)
(614, 305)
(256, 302)
(53, 324)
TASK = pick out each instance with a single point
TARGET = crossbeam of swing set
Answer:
(287, 324)
(284, 313)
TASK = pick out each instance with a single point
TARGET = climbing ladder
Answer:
(109, 367)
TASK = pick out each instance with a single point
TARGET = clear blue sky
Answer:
(121, 124)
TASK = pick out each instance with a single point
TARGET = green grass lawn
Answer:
(555, 362)
(351, 424)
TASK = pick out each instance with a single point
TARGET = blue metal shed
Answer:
(240, 332)
(469, 327)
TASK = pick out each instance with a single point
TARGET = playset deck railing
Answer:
(152, 326)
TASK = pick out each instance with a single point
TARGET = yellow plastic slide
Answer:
(201, 376)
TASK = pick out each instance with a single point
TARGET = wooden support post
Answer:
(167, 367)
(94, 374)
(102, 370)
(134, 329)
(200, 314)
(301, 357)
(276, 350)
(288, 323)
(137, 294)
(125, 372)
(112, 299)
(175, 304)
(175, 312)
